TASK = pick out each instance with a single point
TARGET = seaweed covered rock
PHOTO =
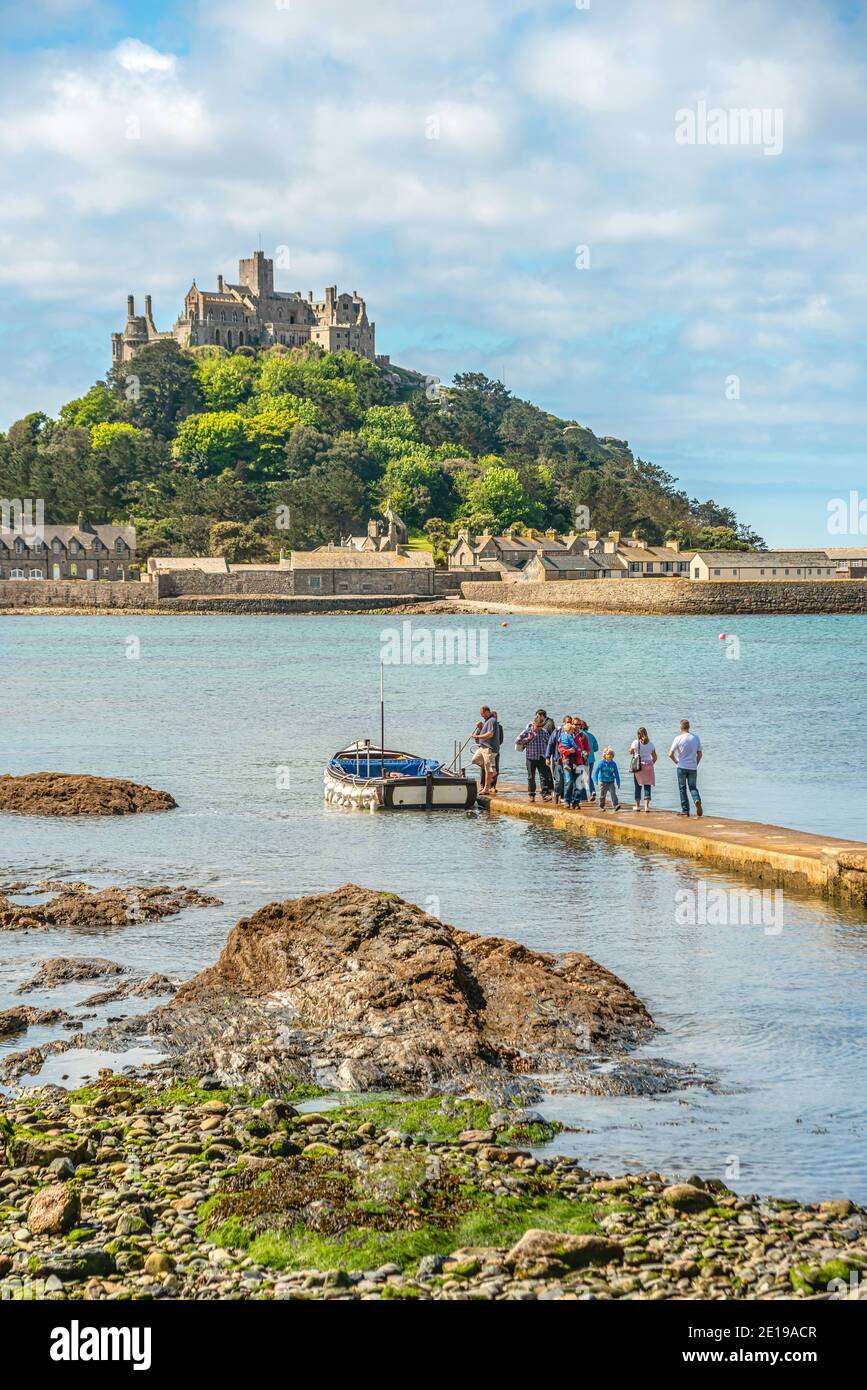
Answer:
(78, 794)
(81, 905)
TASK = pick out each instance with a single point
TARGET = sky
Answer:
(572, 197)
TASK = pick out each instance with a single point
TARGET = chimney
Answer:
(148, 307)
(219, 284)
(672, 544)
(591, 536)
(614, 536)
(551, 535)
(130, 306)
(509, 533)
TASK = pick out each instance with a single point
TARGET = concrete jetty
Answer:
(823, 864)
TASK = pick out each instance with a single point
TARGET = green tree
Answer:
(96, 407)
(226, 381)
(498, 497)
(211, 442)
(158, 388)
(239, 542)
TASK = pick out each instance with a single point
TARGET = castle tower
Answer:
(257, 273)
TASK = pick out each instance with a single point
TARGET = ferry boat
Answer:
(373, 778)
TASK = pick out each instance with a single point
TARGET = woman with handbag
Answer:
(642, 756)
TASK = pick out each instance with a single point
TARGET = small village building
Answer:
(390, 536)
(509, 551)
(850, 561)
(67, 552)
(343, 570)
(631, 557)
(542, 568)
(762, 566)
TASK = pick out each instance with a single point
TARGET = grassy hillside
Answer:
(247, 452)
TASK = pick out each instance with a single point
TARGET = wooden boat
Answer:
(373, 779)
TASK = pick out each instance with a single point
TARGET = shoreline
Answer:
(135, 1188)
(257, 605)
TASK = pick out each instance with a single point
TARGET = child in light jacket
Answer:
(607, 779)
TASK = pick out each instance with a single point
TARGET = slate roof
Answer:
(765, 559)
(106, 534)
(565, 563)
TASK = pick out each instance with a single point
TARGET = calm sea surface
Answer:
(218, 709)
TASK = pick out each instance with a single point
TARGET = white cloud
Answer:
(135, 56)
(136, 167)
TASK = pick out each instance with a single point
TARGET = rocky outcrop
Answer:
(65, 970)
(132, 989)
(20, 1018)
(360, 990)
(77, 794)
(81, 905)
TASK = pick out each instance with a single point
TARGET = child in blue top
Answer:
(607, 779)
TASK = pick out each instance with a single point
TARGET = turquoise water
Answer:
(236, 717)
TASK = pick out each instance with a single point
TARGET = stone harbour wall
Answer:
(676, 596)
(76, 593)
(177, 583)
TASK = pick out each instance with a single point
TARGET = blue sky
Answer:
(448, 161)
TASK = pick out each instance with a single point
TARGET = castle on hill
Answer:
(253, 313)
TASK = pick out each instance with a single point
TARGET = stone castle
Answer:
(253, 313)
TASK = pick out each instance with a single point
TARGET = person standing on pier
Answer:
(642, 758)
(488, 746)
(593, 749)
(533, 741)
(608, 779)
(686, 754)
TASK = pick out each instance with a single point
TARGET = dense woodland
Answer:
(242, 454)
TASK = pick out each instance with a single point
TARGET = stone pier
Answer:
(822, 864)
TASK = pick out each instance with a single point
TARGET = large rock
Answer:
(542, 1247)
(359, 990)
(78, 794)
(53, 1210)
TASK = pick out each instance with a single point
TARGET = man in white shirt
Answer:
(686, 754)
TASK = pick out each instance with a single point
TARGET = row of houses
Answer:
(380, 562)
(589, 555)
(67, 552)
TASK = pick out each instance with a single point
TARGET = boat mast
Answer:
(381, 719)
